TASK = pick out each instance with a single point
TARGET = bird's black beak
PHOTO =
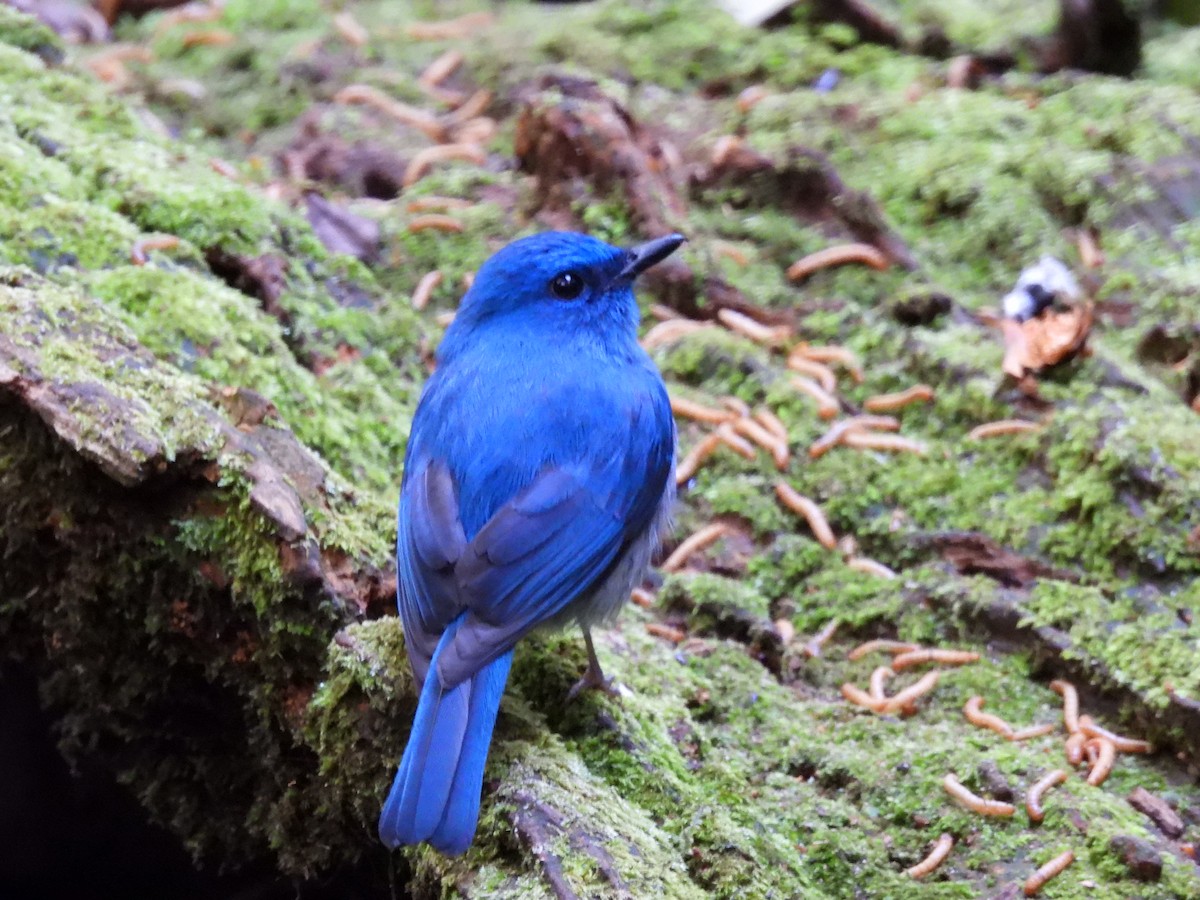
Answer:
(643, 256)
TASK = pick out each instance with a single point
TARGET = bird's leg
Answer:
(594, 677)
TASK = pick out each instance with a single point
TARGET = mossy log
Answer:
(200, 450)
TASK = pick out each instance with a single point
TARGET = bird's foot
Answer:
(594, 678)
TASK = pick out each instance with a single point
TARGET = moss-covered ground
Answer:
(184, 620)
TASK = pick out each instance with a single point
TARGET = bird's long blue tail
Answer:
(435, 796)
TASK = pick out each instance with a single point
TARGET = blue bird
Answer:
(538, 477)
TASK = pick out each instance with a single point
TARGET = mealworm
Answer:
(941, 849)
(449, 28)
(221, 167)
(1031, 731)
(1106, 754)
(973, 710)
(903, 700)
(974, 802)
(441, 68)
(425, 287)
(737, 405)
(870, 567)
(881, 644)
(918, 393)
(810, 510)
(142, 246)
(764, 438)
(670, 331)
(424, 160)
(859, 697)
(668, 632)
(641, 597)
(815, 644)
(878, 679)
(698, 412)
(471, 108)
(742, 324)
(434, 221)
(349, 28)
(211, 38)
(1070, 703)
(840, 255)
(831, 353)
(1124, 744)
(751, 97)
(695, 458)
(928, 655)
(1033, 800)
(663, 313)
(772, 423)
(1001, 427)
(819, 372)
(705, 537)
(890, 443)
(402, 112)
(730, 251)
(735, 442)
(427, 204)
(723, 147)
(827, 404)
(834, 435)
(786, 630)
(445, 319)
(1074, 747)
(1038, 879)
(1090, 253)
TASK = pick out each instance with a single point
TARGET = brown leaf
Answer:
(1045, 340)
(342, 231)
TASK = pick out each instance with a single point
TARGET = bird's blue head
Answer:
(558, 281)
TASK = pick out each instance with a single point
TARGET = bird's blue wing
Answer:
(537, 552)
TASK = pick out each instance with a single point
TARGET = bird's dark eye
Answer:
(567, 285)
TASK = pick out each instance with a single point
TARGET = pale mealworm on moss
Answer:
(1001, 427)
(839, 430)
(879, 678)
(723, 147)
(142, 246)
(1124, 744)
(1035, 882)
(737, 405)
(903, 701)
(425, 159)
(448, 29)
(888, 443)
(641, 597)
(731, 252)
(937, 855)
(696, 457)
(918, 393)
(810, 368)
(810, 511)
(869, 566)
(1070, 698)
(671, 330)
(859, 697)
(750, 97)
(471, 108)
(735, 441)
(425, 287)
(666, 632)
(1031, 731)
(1073, 747)
(765, 439)
(1106, 755)
(441, 68)
(827, 404)
(437, 204)
(698, 412)
(740, 323)
(1033, 799)
(843, 254)
(434, 222)
(888, 646)
(214, 37)
(422, 120)
(694, 543)
(814, 645)
(974, 802)
(973, 710)
(772, 423)
(832, 353)
(351, 31)
(934, 655)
